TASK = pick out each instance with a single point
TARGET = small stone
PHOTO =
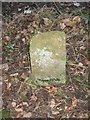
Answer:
(76, 4)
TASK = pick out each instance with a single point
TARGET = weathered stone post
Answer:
(48, 56)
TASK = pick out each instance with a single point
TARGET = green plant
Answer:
(24, 96)
(85, 16)
(11, 46)
(4, 113)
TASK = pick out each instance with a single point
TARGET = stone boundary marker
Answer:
(48, 56)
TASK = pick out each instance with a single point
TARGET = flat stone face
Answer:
(48, 56)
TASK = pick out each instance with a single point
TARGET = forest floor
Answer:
(21, 99)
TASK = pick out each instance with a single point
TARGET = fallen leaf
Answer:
(69, 23)
(86, 62)
(46, 21)
(20, 64)
(8, 86)
(18, 109)
(27, 115)
(82, 48)
(18, 106)
(55, 112)
(15, 74)
(77, 19)
(77, 4)
(7, 38)
(51, 89)
(34, 24)
(4, 66)
(23, 39)
(52, 103)
(13, 104)
(20, 115)
(33, 97)
(62, 25)
(24, 31)
(74, 102)
(17, 37)
(80, 64)
(27, 37)
(25, 104)
(23, 76)
(28, 11)
(69, 108)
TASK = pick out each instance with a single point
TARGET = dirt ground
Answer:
(23, 99)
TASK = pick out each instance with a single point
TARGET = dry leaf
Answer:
(33, 97)
(74, 102)
(27, 37)
(23, 76)
(69, 23)
(55, 112)
(69, 108)
(15, 74)
(47, 21)
(25, 104)
(7, 38)
(27, 115)
(82, 48)
(62, 25)
(13, 104)
(17, 37)
(80, 64)
(86, 62)
(24, 31)
(20, 64)
(52, 103)
(8, 86)
(23, 39)
(18, 106)
(77, 19)
(20, 115)
(4, 66)
(76, 4)
(51, 89)
(18, 109)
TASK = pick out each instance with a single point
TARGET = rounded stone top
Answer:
(48, 55)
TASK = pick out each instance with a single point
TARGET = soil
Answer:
(31, 99)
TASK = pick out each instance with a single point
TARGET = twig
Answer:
(36, 107)
(57, 7)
